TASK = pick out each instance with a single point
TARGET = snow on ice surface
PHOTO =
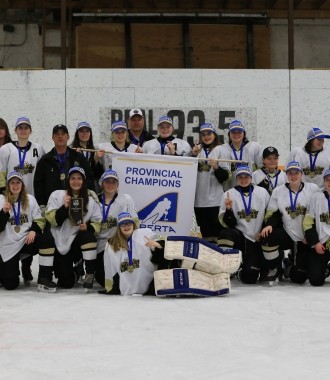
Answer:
(256, 332)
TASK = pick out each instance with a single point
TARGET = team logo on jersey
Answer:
(299, 210)
(253, 214)
(26, 169)
(163, 209)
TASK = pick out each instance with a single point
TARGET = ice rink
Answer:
(256, 332)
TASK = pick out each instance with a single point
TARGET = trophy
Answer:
(76, 211)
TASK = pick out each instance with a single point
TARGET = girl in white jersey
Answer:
(313, 158)
(74, 239)
(21, 155)
(111, 205)
(316, 225)
(21, 226)
(283, 225)
(131, 257)
(269, 176)
(240, 148)
(119, 142)
(166, 143)
(210, 177)
(241, 214)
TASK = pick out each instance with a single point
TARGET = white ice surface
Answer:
(256, 332)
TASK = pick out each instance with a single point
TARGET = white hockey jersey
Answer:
(154, 147)
(106, 160)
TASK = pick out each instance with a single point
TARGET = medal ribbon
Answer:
(247, 208)
(162, 148)
(106, 209)
(312, 161)
(61, 158)
(206, 151)
(328, 206)
(86, 154)
(270, 180)
(18, 212)
(130, 251)
(20, 157)
(240, 152)
(293, 202)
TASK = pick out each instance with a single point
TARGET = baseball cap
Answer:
(236, 125)
(22, 120)
(165, 119)
(207, 127)
(83, 124)
(243, 169)
(316, 133)
(77, 169)
(269, 151)
(14, 174)
(59, 127)
(108, 174)
(124, 217)
(135, 111)
(118, 125)
(293, 165)
(326, 173)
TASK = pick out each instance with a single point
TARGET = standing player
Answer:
(283, 225)
(119, 142)
(313, 158)
(166, 143)
(240, 148)
(316, 225)
(21, 155)
(4, 133)
(210, 177)
(241, 214)
(269, 176)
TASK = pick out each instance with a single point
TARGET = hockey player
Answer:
(130, 258)
(241, 214)
(283, 225)
(240, 148)
(316, 225)
(166, 143)
(313, 158)
(119, 142)
(21, 155)
(21, 226)
(210, 177)
(111, 204)
(74, 240)
(269, 176)
(83, 138)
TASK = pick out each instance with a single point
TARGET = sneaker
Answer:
(46, 285)
(273, 277)
(89, 280)
(27, 274)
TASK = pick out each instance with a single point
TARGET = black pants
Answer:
(99, 274)
(252, 257)
(208, 221)
(9, 270)
(317, 265)
(63, 264)
(300, 252)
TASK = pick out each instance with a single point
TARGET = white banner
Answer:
(163, 188)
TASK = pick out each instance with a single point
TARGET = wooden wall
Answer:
(162, 46)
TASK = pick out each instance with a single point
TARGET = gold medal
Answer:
(248, 218)
(293, 214)
(17, 228)
(312, 174)
(62, 176)
(130, 268)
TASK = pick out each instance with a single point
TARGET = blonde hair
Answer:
(118, 240)
(127, 140)
(23, 195)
